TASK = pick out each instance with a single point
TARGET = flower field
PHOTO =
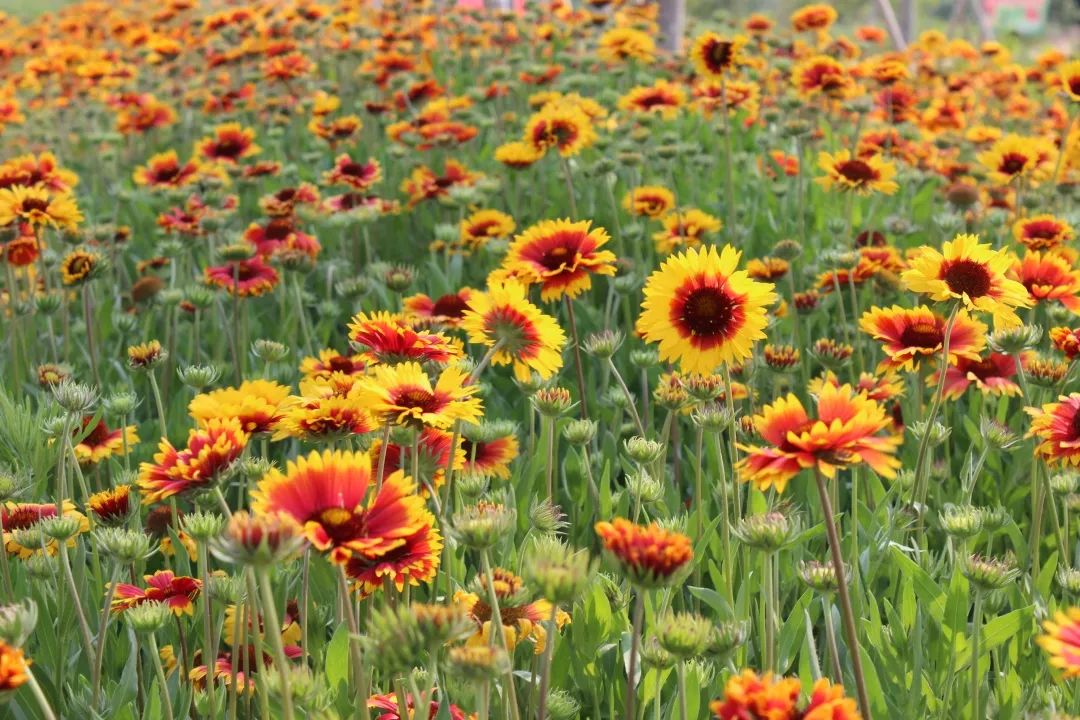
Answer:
(393, 360)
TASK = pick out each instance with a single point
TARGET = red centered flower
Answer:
(246, 278)
(390, 339)
(1057, 426)
(993, 375)
(561, 256)
(210, 451)
(358, 175)
(909, 336)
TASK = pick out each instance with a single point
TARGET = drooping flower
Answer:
(972, 273)
(503, 318)
(702, 311)
(178, 592)
(561, 256)
(210, 452)
(844, 433)
(649, 555)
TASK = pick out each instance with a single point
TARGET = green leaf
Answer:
(337, 657)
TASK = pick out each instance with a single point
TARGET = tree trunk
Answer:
(672, 24)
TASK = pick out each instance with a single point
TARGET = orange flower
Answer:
(992, 375)
(844, 433)
(230, 143)
(165, 170)
(14, 668)
(246, 278)
(813, 17)
(447, 310)
(1066, 340)
(750, 697)
(1042, 232)
(649, 555)
(1049, 276)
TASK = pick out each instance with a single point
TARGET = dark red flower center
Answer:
(857, 171)
(341, 524)
(451, 306)
(419, 399)
(1074, 426)
(24, 516)
(720, 54)
(35, 205)
(966, 277)
(278, 229)
(922, 335)
(340, 363)
(707, 312)
(1041, 229)
(1012, 163)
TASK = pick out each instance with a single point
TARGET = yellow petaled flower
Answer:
(649, 201)
(484, 225)
(684, 228)
(662, 98)
(561, 256)
(1062, 641)
(861, 175)
(1070, 79)
(714, 56)
(822, 75)
(703, 311)
(562, 127)
(971, 272)
(210, 452)
(24, 516)
(503, 318)
(816, 17)
(257, 404)
(518, 154)
(404, 395)
(1013, 158)
(78, 266)
(1041, 232)
(101, 443)
(145, 355)
(38, 206)
(620, 44)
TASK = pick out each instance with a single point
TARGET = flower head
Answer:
(649, 555)
(210, 452)
(404, 395)
(502, 317)
(1062, 641)
(702, 311)
(853, 174)
(561, 256)
(177, 592)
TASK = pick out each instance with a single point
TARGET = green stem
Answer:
(497, 630)
(545, 666)
(39, 696)
(976, 681)
(209, 648)
(635, 641)
(166, 700)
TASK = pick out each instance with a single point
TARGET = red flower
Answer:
(178, 593)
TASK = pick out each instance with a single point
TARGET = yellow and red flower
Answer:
(649, 201)
(1056, 425)
(1013, 158)
(908, 336)
(715, 56)
(38, 206)
(112, 506)
(358, 175)
(1042, 232)
(210, 452)
(702, 311)
(560, 126)
(14, 668)
(648, 554)
(490, 457)
(1048, 276)
(859, 175)
(992, 375)
(972, 273)
(822, 75)
(244, 278)
(844, 433)
(386, 707)
(520, 620)
(433, 457)
(102, 443)
(662, 98)
(403, 394)
(1062, 641)
(1066, 340)
(522, 335)
(22, 516)
(561, 256)
(230, 143)
(164, 170)
(177, 592)
(256, 404)
(814, 17)
(389, 339)
(685, 227)
(331, 361)
(447, 310)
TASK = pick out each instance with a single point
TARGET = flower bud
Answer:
(478, 663)
(643, 487)
(603, 344)
(126, 545)
(580, 432)
(938, 433)
(552, 402)
(17, 622)
(768, 532)
(820, 577)
(713, 417)
(987, 573)
(644, 358)
(961, 521)
(684, 634)
(1069, 579)
(203, 526)
(483, 524)
(724, 638)
(561, 705)
(148, 617)
(558, 572)
(74, 397)
(997, 435)
(261, 541)
(121, 403)
(1013, 341)
(643, 450)
(269, 351)
(1064, 483)
(61, 527)
(198, 377)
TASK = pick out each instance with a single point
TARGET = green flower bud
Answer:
(684, 634)
(17, 621)
(269, 351)
(961, 521)
(724, 638)
(580, 432)
(643, 450)
(203, 526)
(603, 344)
(768, 532)
(552, 402)
(61, 527)
(198, 377)
(74, 397)
(483, 524)
(546, 516)
(148, 617)
(559, 573)
(561, 705)
(987, 573)
(820, 577)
